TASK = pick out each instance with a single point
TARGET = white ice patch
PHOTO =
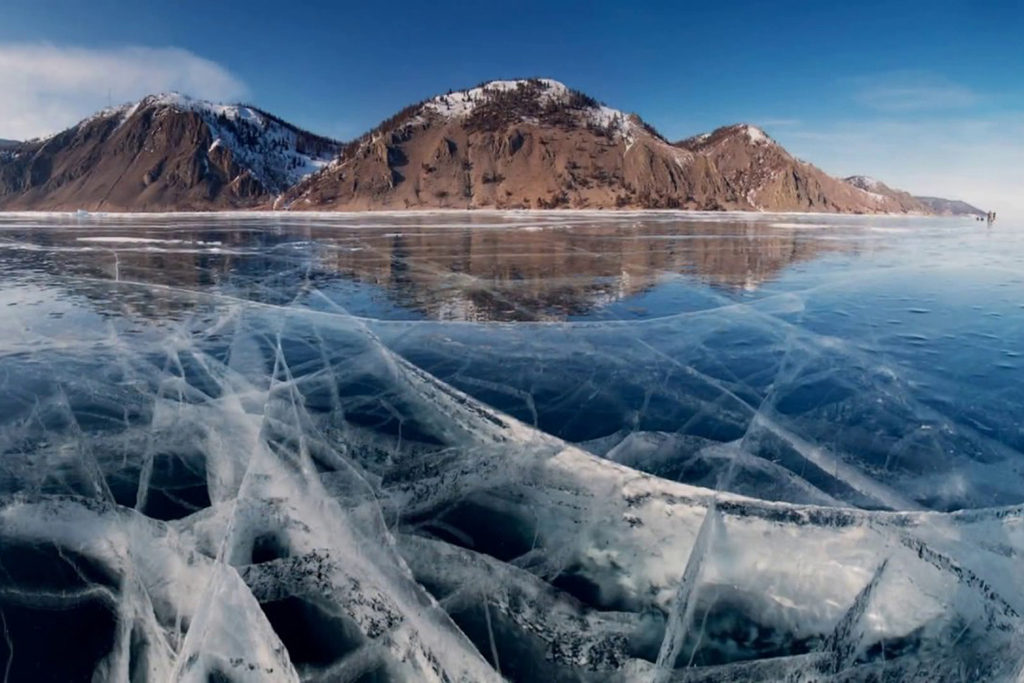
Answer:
(115, 239)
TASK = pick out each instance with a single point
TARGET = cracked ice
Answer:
(526, 446)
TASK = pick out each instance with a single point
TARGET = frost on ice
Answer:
(236, 478)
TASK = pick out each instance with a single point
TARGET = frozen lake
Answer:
(540, 446)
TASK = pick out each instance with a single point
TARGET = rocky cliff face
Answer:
(165, 152)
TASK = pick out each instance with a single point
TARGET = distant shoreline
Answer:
(425, 211)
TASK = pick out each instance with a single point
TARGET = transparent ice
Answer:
(534, 447)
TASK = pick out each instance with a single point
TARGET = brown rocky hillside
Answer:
(761, 175)
(904, 200)
(512, 144)
(164, 153)
(529, 144)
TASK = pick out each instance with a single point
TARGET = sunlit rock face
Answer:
(564, 446)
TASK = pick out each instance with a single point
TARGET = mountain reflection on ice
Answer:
(467, 447)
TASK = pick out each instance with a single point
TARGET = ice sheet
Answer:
(621, 447)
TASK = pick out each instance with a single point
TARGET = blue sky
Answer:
(928, 96)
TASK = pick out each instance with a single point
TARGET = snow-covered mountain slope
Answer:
(277, 153)
(164, 152)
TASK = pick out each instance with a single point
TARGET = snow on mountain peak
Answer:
(741, 131)
(863, 182)
(276, 153)
(461, 104)
(755, 134)
(182, 102)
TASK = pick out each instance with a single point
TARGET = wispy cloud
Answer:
(977, 159)
(924, 133)
(912, 91)
(47, 87)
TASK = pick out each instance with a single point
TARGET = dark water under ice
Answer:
(543, 446)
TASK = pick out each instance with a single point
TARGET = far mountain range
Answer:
(518, 144)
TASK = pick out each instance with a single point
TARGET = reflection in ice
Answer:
(535, 446)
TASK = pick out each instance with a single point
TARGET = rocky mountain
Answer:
(165, 152)
(907, 202)
(761, 175)
(531, 143)
(8, 144)
(929, 205)
(511, 144)
(949, 207)
(537, 144)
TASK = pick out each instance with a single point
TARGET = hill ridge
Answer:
(510, 143)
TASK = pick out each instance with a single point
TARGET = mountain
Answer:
(905, 200)
(761, 175)
(537, 144)
(949, 207)
(8, 144)
(511, 144)
(165, 152)
(930, 205)
(529, 143)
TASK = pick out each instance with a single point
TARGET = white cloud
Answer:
(46, 88)
(908, 91)
(927, 135)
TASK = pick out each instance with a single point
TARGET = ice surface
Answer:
(525, 446)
